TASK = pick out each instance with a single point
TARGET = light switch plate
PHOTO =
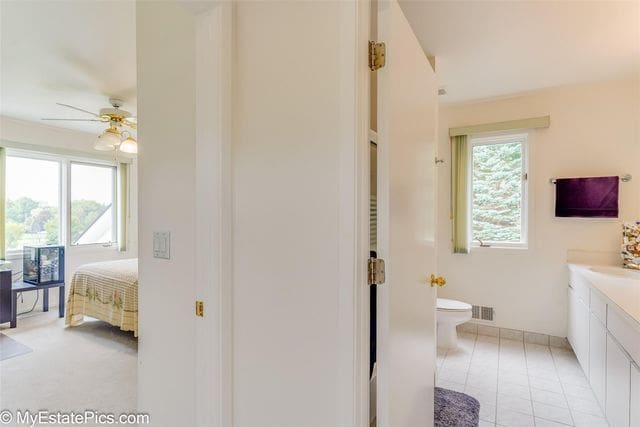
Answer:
(162, 244)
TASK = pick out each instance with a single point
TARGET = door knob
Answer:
(440, 281)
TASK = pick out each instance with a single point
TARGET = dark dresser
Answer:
(5, 296)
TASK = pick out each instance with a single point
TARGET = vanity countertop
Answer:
(620, 285)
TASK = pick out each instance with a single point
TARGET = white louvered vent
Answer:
(373, 222)
(482, 313)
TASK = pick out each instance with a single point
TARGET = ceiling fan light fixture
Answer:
(129, 145)
(108, 140)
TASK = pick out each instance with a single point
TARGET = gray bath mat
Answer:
(11, 348)
(454, 409)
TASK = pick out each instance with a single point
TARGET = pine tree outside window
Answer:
(499, 191)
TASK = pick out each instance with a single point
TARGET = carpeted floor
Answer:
(91, 366)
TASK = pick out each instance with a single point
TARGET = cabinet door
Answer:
(578, 328)
(618, 385)
(635, 395)
(597, 358)
(582, 335)
(571, 316)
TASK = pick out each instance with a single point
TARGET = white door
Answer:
(407, 120)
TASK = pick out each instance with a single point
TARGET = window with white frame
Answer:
(92, 208)
(33, 202)
(499, 190)
(56, 199)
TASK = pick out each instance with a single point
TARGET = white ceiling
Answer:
(74, 52)
(493, 48)
(83, 52)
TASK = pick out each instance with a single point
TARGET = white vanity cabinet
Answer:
(634, 419)
(606, 339)
(597, 358)
(579, 324)
(618, 396)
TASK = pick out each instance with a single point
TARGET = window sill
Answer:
(501, 246)
(14, 255)
(93, 247)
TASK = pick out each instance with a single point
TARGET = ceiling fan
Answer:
(114, 137)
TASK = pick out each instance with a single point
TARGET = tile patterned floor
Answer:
(520, 384)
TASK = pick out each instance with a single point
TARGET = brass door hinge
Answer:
(377, 55)
(376, 271)
(200, 308)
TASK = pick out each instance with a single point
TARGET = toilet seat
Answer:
(444, 304)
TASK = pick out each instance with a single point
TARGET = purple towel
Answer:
(587, 197)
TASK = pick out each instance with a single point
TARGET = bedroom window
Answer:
(32, 202)
(498, 190)
(92, 204)
(55, 199)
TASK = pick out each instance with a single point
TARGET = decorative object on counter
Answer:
(43, 265)
(595, 197)
(631, 245)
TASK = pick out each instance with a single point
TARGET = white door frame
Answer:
(360, 311)
(214, 215)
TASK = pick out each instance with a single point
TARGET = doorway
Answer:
(373, 301)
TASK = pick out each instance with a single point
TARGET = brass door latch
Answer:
(440, 281)
(200, 308)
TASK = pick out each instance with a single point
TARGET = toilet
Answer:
(450, 313)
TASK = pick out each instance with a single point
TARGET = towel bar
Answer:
(623, 178)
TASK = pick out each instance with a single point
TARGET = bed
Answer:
(107, 291)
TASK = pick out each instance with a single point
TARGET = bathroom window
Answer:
(499, 191)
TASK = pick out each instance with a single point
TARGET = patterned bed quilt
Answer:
(106, 291)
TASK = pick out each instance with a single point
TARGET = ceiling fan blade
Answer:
(131, 124)
(76, 120)
(78, 109)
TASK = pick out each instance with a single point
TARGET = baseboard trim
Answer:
(513, 334)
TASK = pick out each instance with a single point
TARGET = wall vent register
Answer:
(482, 313)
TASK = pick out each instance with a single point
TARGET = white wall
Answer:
(49, 137)
(167, 161)
(291, 163)
(594, 131)
(294, 233)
